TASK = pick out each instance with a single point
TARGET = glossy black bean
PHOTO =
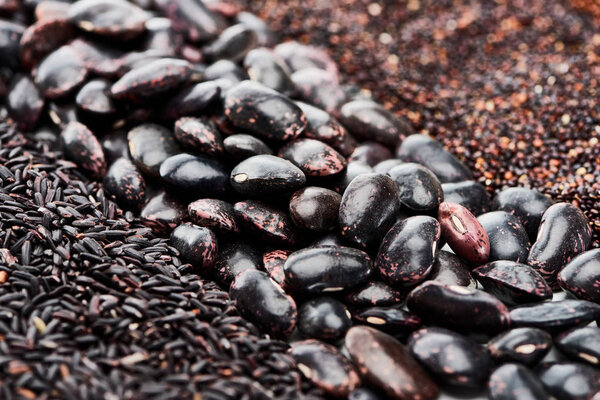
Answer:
(264, 112)
(521, 345)
(320, 88)
(60, 72)
(581, 276)
(243, 146)
(163, 212)
(570, 381)
(160, 35)
(149, 146)
(388, 366)
(265, 36)
(215, 214)
(427, 151)
(581, 344)
(200, 135)
(448, 269)
(273, 262)
(300, 56)
(265, 176)
(564, 232)
(227, 73)
(451, 358)
(117, 19)
(10, 36)
(374, 294)
(369, 207)
(263, 302)
(407, 252)
(418, 188)
(555, 315)
(192, 19)
(469, 194)
(385, 166)
(24, 102)
(512, 282)
(514, 381)
(234, 258)
(115, 145)
(371, 153)
(232, 44)
(326, 367)
(507, 236)
(81, 146)
(446, 306)
(392, 320)
(195, 176)
(326, 269)
(270, 224)
(265, 67)
(197, 245)
(315, 209)
(100, 59)
(333, 239)
(42, 38)
(323, 318)
(353, 169)
(94, 103)
(313, 157)
(124, 181)
(368, 120)
(193, 100)
(527, 204)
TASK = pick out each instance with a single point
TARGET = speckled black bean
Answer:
(149, 146)
(192, 18)
(326, 269)
(581, 344)
(94, 103)
(428, 152)
(469, 194)
(570, 381)
(507, 236)
(263, 302)
(320, 88)
(407, 252)
(83, 148)
(326, 367)
(392, 320)
(442, 305)
(234, 258)
(273, 262)
(124, 181)
(514, 381)
(266, 175)
(581, 276)
(192, 100)
(195, 176)
(369, 207)
(323, 318)
(242, 146)
(24, 102)
(215, 214)
(315, 209)
(264, 112)
(313, 157)
(451, 358)
(270, 224)
(117, 19)
(374, 294)
(232, 44)
(371, 153)
(265, 67)
(60, 72)
(521, 345)
(163, 213)
(197, 245)
(527, 204)
(200, 135)
(555, 315)
(418, 188)
(564, 232)
(448, 269)
(512, 282)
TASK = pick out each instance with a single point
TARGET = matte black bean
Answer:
(124, 181)
(521, 345)
(581, 276)
(581, 344)
(374, 294)
(514, 381)
(555, 315)
(392, 320)
(149, 146)
(117, 19)
(323, 318)
(234, 258)
(569, 381)
(242, 146)
(448, 269)
(266, 175)
(195, 176)
(469, 194)
(315, 209)
(271, 224)
(265, 67)
(313, 157)
(215, 214)
(200, 135)
(24, 102)
(197, 245)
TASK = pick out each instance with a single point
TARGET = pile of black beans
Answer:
(333, 225)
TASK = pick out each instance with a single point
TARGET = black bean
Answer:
(514, 381)
(521, 345)
(507, 236)
(323, 318)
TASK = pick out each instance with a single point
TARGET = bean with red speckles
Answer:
(163, 213)
(234, 258)
(581, 344)
(388, 366)
(450, 270)
(192, 100)
(555, 315)
(317, 270)
(507, 236)
(197, 245)
(313, 157)
(469, 194)
(521, 345)
(24, 102)
(326, 367)
(271, 224)
(149, 146)
(526, 204)
(419, 189)
(464, 233)
(315, 209)
(407, 252)
(273, 262)
(265, 67)
(266, 175)
(264, 112)
(200, 135)
(242, 146)
(124, 181)
(262, 301)
(195, 176)
(214, 214)
(514, 381)
(428, 152)
(371, 153)
(374, 294)
(392, 320)
(447, 306)
(368, 209)
(42, 38)
(513, 283)
(564, 232)
(323, 318)
(320, 88)
(451, 358)
(581, 276)
(569, 381)
(81, 146)
(60, 72)
(232, 44)
(116, 19)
